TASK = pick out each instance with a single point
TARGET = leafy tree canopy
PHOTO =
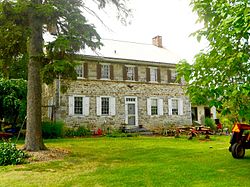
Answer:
(23, 23)
(220, 75)
(13, 100)
(62, 18)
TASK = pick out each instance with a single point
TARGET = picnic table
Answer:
(5, 135)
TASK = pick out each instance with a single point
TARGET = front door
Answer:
(131, 114)
(131, 110)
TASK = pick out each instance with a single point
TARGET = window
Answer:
(175, 106)
(129, 99)
(79, 71)
(130, 73)
(105, 71)
(155, 106)
(153, 74)
(172, 76)
(105, 105)
(78, 105)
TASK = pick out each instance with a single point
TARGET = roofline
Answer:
(121, 60)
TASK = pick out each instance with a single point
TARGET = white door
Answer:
(131, 114)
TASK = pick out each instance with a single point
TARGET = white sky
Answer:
(172, 19)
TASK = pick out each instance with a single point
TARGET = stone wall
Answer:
(120, 89)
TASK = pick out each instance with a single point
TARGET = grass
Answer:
(137, 161)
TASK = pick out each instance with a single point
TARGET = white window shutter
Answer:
(160, 107)
(126, 113)
(98, 106)
(71, 105)
(112, 106)
(170, 107)
(180, 107)
(149, 106)
(86, 106)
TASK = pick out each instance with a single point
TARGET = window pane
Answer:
(105, 72)
(130, 99)
(79, 70)
(131, 73)
(78, 105)
(175, 106)
(105, 105)
(173, 75)
(153, 74)
(154, 107)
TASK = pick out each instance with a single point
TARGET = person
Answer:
(218, 125)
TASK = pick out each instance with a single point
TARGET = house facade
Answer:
(123, 83)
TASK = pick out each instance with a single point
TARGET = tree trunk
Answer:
(33, 140)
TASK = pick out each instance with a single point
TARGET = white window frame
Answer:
(85, 105)
(179, 107)
(112, 106)
(159, 106)
(104, 74)
(153, 74)
(80, 70)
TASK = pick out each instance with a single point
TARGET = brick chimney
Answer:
(157, 41)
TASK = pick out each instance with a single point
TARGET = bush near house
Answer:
(120, 134)
(53, 129)
(210, 123)
(77, 132)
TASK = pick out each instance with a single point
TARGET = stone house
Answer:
(123, 83)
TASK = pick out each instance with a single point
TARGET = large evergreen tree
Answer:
(220, 75)
(24, 22)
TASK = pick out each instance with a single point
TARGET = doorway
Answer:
(131, 111)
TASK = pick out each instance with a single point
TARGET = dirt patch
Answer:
(47, 155)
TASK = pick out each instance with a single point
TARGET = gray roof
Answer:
(124, 50)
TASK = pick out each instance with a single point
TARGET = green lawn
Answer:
(138, 161)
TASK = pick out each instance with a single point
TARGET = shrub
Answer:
(53, 129)
(210, 123)
(119, 134)
(10, 155)
(80, 131)
(116, 134)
